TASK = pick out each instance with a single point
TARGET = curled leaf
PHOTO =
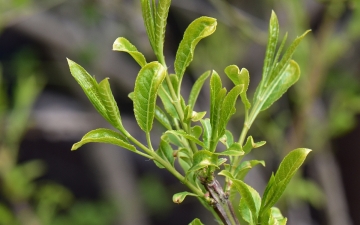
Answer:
(179, 197)
(197, 30)
(103, 135)
(123, 45)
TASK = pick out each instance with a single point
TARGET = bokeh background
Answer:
(43, 111)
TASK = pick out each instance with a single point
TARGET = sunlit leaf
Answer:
(147, 84)
(103, 135)
(286, 171)
(123, 45)
(196, 116)
(196, 222)
(289, 77)
(250, 198)
(89, 85)
(197, 30)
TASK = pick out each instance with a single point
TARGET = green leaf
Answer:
(286, 171)
(89, 85)
(167, 102)
(110, 104)
(240, 77)
(186, 136)
(228, 108)
(196, 88)
(281, 84)
(216, 116)
(149, 21)
(226, 173)
(174, 139)
(162, 11)
(196, 222)
(271, 46)
(202, 159)
(147, 85)
(166, 152)
(250, 144)
(227, 139)
(207, 132)
(197, 30)
(103, 135)
(243, 169)
(184, 157)
(196, 131)
(123, 45)
(162, 118)
(250, 198)
(234, 150)
(283, 64)
(179, 197)
(196, 116)
(215, 87)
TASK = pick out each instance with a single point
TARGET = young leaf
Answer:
(228, 108)
(215, 87)
(196, 222)
(149, 21)
(250, 199)
(196, 131)
(245, 167)
(203, 159)
(196, 116)
(110, 104)
(166, 100)
(147, 84)
(179, 197)
(186, 136)
(196, 88)
(250, 144)
(103, 135)
(282, 65)
(271, 46)
(207, 132)
(216, 116)
(166, 152)
(162, 118)
(240, 77)
(123, 45)
(89, 85)
(227, 139)
(286, 171)
(282, 84)
(197, 30)
(162, 11)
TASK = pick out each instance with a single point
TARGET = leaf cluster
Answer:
(191, 139)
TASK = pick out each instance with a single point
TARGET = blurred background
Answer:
(43, 111)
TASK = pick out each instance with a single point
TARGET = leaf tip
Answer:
(74, 147)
